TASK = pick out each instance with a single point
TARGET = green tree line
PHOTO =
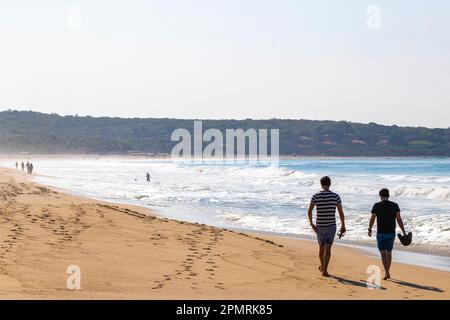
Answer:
(27, 131)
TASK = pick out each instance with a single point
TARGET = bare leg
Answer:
(386, 258)
(389, 262)
(326, 261)
(321, 256)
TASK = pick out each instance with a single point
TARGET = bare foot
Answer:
(325, 274)
(387, 276)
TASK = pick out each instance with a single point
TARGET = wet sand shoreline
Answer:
(127, 252)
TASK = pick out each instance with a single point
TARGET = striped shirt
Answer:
(326, 202)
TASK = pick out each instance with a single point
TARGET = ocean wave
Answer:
(414, 178)
(261, 197)
(433, 193)
(438, 193)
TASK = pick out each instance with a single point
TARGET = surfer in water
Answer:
(148, 177)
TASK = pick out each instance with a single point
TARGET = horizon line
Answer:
(223, 119)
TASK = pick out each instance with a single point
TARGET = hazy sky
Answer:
(312, 59)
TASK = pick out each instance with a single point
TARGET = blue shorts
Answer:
(385, 241)
(325, 235)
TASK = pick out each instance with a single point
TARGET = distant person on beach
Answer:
(386, 213)
(148, 177)
(326, 202)
(17, 165)
(28, 167)
(23, 166)
(31, 168)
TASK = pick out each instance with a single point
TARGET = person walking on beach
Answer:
(28, 167)
(31, 168)
(17, 165)
(148, 177)
(326, 202)
(386, 213)
(23, 166)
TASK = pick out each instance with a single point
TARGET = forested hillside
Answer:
(34, 132)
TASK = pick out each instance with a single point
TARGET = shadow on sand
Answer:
(361, 283)
(415, 286)
(364, 284)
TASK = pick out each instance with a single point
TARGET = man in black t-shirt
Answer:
(386, 213)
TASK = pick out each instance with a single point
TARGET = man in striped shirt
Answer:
(326, 203)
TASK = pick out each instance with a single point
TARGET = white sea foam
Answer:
(260, 197)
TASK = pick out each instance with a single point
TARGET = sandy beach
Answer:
(127, 252)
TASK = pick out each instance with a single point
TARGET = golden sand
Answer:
(127, 252)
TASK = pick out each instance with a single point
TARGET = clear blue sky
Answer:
(311, 59)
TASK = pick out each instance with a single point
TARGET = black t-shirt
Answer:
(386, 212)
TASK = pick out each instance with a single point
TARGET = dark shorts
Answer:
(325, 235)
(385, 241)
